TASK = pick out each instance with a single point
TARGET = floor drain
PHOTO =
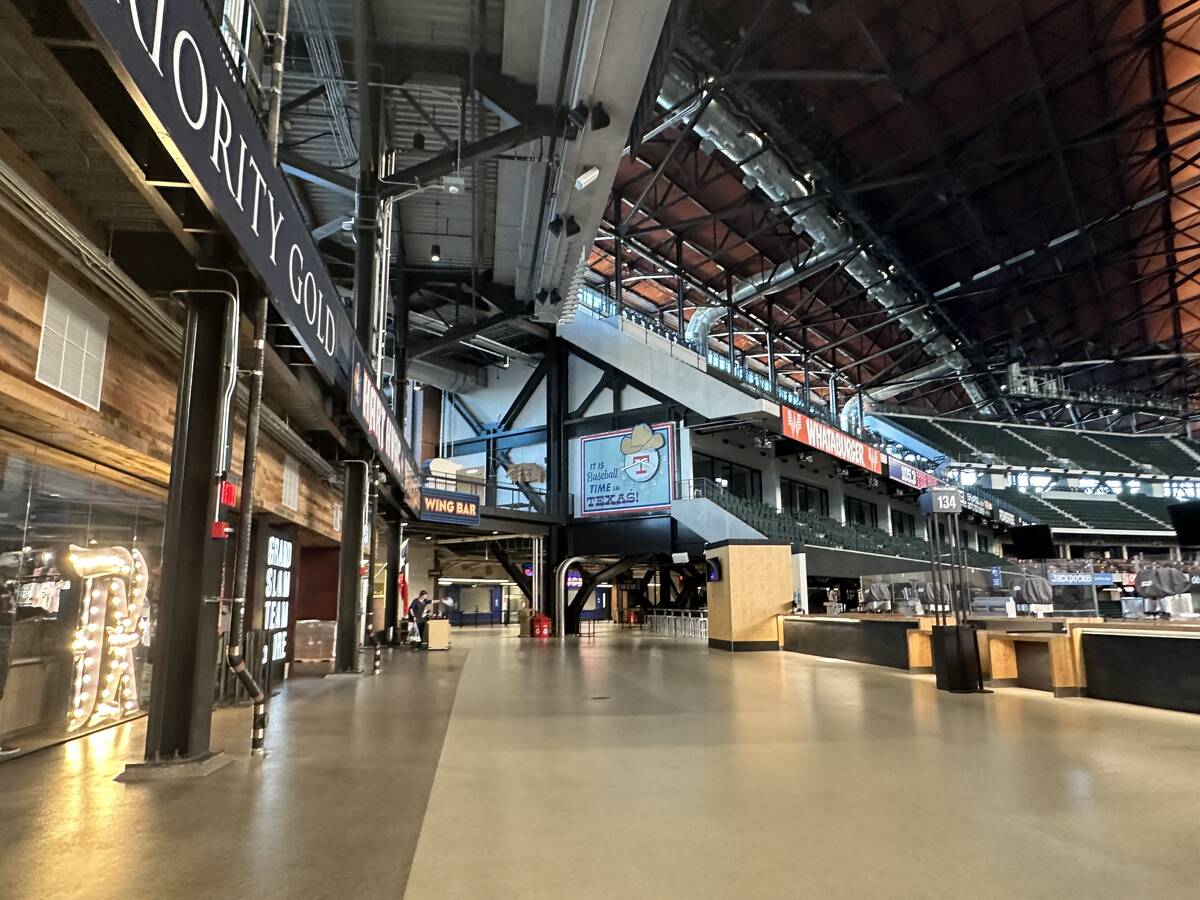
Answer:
(602, 698)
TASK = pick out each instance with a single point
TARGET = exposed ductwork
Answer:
(447, 376)
(770, 172)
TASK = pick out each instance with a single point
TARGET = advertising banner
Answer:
(1070, 579)
(828, 439)
(977, 504)
(172, 60)
(910, 475)
(632, 470)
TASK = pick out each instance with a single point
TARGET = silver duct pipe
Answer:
(701, 323)
(705, 316)
(770, 172)
(791, 272)
(769, 282)
(447, 377)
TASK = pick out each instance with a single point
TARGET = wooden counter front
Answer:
(1034, 659)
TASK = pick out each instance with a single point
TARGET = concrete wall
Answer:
(420, 561)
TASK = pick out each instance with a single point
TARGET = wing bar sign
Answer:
(172, 60)
(449, 506)
(828, 439)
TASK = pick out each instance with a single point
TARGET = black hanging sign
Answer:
(173, 61)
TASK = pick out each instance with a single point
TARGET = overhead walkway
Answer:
(701, 382)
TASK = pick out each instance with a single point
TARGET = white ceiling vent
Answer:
(72, 347)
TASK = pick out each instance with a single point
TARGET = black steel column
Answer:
(729, 322)
(771, 346)
(391, 605)
(354, 495)
(372, 624)
(807, 386)
(350, 559)
(185, 641)
(557, 480)
(618, 271)
(679, 286)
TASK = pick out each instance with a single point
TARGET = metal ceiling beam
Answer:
(330, 228)
(453, 160)
(457, 333)
(316, 173)
(806, 75)
(426, 117)
(298, 101)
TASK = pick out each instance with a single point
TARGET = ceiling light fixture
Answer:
(435, 253)
(600, 117)
(556, 226)
(418, 141)
(586, 177)
(572, 226)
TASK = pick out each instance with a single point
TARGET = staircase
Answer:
(957, 437)
(1137, 463)
(1183, 445)
(1143, 513)
(1016, 432)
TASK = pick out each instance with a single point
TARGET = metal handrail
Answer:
(597, 303)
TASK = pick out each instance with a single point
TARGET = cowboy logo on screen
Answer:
(641, 448)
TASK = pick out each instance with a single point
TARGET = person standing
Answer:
(416, 614)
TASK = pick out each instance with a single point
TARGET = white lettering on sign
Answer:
(378, 421)
(828, 439)
(196, 93)
(277, 593)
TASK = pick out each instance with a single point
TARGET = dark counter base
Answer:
(740, 646)
(1162, 672)
(882, 643)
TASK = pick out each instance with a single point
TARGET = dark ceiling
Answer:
(1029, 167)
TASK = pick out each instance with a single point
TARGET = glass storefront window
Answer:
(79, 571)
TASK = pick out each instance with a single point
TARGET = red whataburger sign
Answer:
(833, 441)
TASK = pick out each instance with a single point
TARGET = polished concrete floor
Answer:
(628, 766)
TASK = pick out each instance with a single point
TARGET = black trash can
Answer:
(956, 664)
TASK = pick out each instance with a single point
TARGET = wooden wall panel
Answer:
(130, 436)
(132, 430)
(317, 501)
(761, 589)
